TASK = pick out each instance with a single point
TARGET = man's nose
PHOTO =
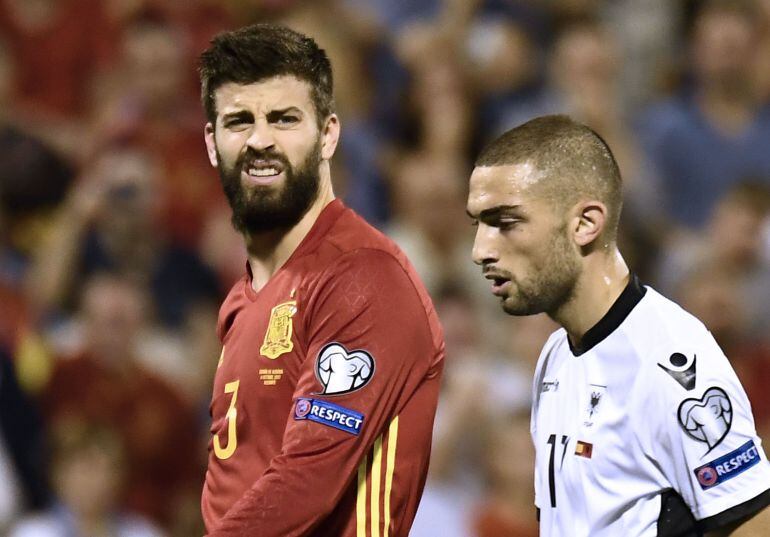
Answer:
(261, 136)
(484, 249)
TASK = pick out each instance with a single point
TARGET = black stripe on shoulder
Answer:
(675, 518)
(734, 514)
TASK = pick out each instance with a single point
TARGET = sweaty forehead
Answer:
(275, 93)
(510, 184)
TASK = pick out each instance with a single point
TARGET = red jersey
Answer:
(325, 392)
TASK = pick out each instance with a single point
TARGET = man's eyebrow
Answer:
(493, 211)
(288, 109)
(238, 114)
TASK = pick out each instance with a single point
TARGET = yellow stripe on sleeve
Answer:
(361, 500)
(390, 466)
(376, 469)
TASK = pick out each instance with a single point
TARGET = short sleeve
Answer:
(705, 442)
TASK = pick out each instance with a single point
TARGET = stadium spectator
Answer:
(150, 99)
(108, 223)
(484, 388)
(716, 132)
(104, 380)
(506, 509)
(583, 82)
(733, 242)
(33, 182)
(88, 472)
(58, 46)
(427, 191)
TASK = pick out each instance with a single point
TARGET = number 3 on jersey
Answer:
(232, 414)
(551, 473)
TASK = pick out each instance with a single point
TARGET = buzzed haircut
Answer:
(262, 51)
(575, 162)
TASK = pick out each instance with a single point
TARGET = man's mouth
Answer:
(263, 172)
(499, 283)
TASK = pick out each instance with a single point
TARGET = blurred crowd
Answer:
(116, 247)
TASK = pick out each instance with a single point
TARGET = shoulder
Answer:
(677, 352)
(374, 282)
(658, 325)
(372, 277)
(351, 232)
(356, 251)
(368, 263)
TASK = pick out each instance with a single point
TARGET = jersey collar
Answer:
(617, 313)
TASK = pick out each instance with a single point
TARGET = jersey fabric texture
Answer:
(644, 430)
(325, 392)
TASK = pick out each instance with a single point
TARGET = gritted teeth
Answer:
(264, 169)
(263, 172)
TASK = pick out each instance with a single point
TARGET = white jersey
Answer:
(644, 430)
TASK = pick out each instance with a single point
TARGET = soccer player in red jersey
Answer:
(326, 388)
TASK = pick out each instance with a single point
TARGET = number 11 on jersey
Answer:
(551, 471)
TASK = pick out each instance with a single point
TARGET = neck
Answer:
(604, 276)
(270, 250)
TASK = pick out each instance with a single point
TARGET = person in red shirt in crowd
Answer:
(59, 46)
(149, 99)
(105, 382)
(326, 389)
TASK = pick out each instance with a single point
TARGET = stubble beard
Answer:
(264, 209)
(552, 284)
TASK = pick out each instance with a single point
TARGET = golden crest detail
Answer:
(279, 330)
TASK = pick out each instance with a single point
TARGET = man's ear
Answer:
(590, 218)
(330, 136)
(211, 145)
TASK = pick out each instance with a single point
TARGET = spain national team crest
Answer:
(279, 330)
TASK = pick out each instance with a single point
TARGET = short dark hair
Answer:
(263, 51)
(576, 161)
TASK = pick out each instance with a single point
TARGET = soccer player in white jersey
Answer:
(640, 425)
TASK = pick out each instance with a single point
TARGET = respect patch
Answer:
(329, 414)
(727, 466)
